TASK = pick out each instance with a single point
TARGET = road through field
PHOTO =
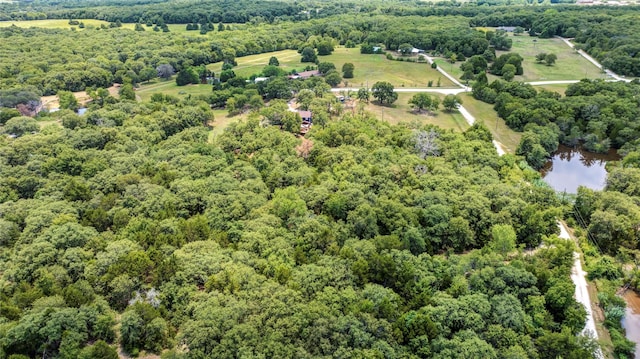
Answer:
(593, 61)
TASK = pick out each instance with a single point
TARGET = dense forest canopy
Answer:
(245, 245)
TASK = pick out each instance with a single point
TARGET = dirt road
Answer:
(578, 276)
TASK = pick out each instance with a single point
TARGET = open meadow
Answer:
(400, 111)
(368, 68)
(253, 64)
(169, 87)
(569, 66)
(89, 24)
(372, 68)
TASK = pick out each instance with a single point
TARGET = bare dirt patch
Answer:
(305, 147)
(51, 102)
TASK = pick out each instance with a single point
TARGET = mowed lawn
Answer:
(372, 68)
(569, 65)
(368, 68)
(169, 87)
(400, 111)
(484, 112)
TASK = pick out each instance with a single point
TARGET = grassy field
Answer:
(169, 87)
(368, 68)
(248, 65)
(221, 121)
(400, 111)
(553, 88)
(569, 66)
(89, 23)
(372, 68)
(483, 112)
(53, 23)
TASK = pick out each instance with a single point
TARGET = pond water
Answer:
(631, 320)
(82, 110)
(572, 167)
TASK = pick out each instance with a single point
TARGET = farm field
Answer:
(401, 111)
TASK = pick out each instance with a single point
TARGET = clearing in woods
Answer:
(569, 65)
(401, 111)
(368, 68)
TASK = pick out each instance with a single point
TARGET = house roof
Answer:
(305, 74)
(305, 114)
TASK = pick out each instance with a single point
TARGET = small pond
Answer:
(631, 320)
(570, 168)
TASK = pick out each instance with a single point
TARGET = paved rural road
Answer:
(578, 276)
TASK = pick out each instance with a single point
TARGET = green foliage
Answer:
(142, 328)
(347, 70)
(383, 92)
(503, 239)
(325, 67)
(333, 78)
(187, 76)
(424, 101)
(324, 48)
(99, 350)
(451, 102)
(513, 59)
(364, 94)
(550, 59)
(309, 55)
(126, 91)
(19, 126)
(257, 243)
(7, 113)
(67, 101)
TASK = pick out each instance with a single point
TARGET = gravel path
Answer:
(578, 276)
